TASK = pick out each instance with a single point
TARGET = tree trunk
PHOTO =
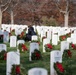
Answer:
(0, 19)
(12, 17)
(66, 17)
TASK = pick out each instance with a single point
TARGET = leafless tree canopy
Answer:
(33, 10)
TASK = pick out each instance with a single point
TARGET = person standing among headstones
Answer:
(30, 33)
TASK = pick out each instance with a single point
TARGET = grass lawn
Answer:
(44, 63)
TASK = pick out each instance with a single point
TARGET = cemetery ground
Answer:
(25, 64)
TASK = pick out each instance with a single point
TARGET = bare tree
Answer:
(3, 6)
(12, 6)
(64, 7)
(33, 7)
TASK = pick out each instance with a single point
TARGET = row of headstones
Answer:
(13, 40)
(4, 37)
(18, 28)
(42, 30)
(11, 56)
(14, 58)
(51, 34)
(54, 33)
(45, 41)
(55, 40)
(35, 46)
(60, 30)
(12, 44)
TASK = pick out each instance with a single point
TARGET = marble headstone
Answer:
(49, 34)
(33, 46)
(34, 37)
(6, 36)
(73, 36)
(64, 46)
(54, 39)
(20, 42)
(37, 71)
(13, 58)
(55, 56)
(13, 41)
(45, 41)
(3, 47)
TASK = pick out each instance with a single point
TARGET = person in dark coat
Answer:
(29, 34)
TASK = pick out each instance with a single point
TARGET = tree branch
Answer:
(62, 11)
(4, 9)
(6, 6)
(6, 3)
(67, 6)
(15, 14)
(66, 11)
(57, 5)
(12, 6)
(16, 4)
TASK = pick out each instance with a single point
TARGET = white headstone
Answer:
(37, 71)
(13, 58)
(13, 41)
(73, 36)
(20, 42)
(75, 31)
(3, 47)
(33, 46)
(64, 45)
(62, 31)
(17, 32)
(6, 36)
(45, 41)
(34, 37)
(54, 39)
(49, 35)
(43, 34)
(38, 30)
(69, 40)
(1, 33)
(55, 56)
